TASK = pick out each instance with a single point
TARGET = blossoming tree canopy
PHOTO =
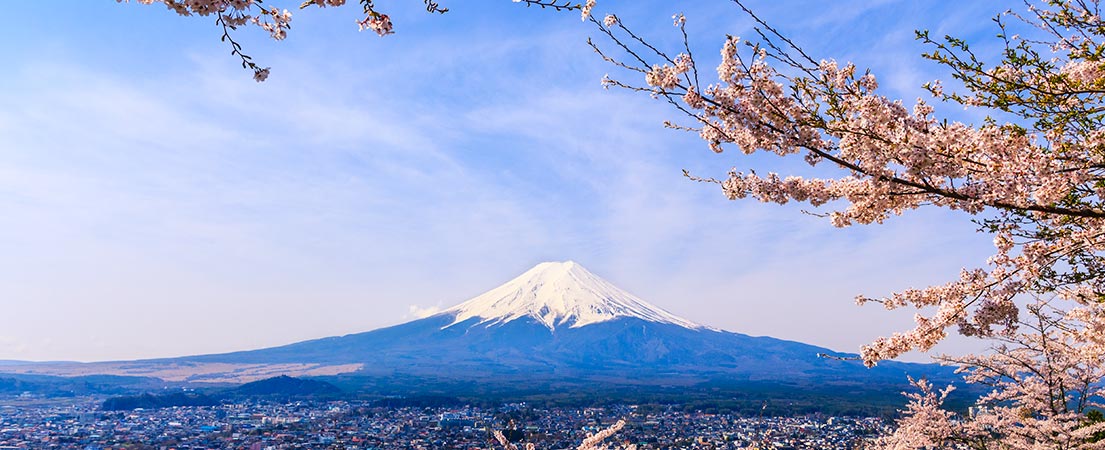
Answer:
(1044, 381)
(232, 14)
(1036, 181)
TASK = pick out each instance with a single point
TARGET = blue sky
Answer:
(156, 201)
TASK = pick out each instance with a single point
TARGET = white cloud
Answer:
(419, 312)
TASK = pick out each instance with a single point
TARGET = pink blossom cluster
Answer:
(239, 12)
(209, 7)
(279, 24)
(235, 13)
(668, 77)
(378, 23)
(507, 445)
(585, 10)
(591, 442)
(926, 424)
(1042, 382)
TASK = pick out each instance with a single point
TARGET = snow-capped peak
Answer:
(557, 294)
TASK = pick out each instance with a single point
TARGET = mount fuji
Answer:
(558, 321)
(554, 333)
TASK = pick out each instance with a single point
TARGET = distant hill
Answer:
(12, 385)
(55, 386)
(285, 386)
(276, 388)
(155, 401)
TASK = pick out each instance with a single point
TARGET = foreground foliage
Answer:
(1032, 175)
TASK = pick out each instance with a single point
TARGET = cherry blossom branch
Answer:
(565, 5)
(1043, 182)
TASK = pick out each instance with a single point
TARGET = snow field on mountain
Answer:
(559, 294)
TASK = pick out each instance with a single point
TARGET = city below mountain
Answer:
(556, 328)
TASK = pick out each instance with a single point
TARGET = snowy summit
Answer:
(558, 294)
